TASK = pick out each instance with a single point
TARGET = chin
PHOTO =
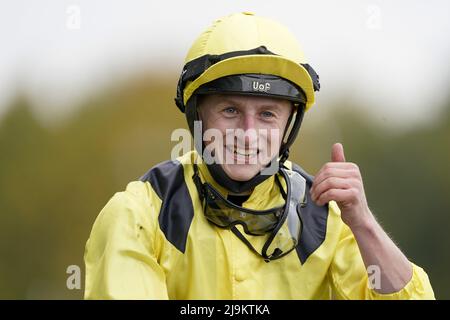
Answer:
(241, 172)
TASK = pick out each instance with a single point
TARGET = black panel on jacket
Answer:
(177, 211)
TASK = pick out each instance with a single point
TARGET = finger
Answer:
(338, 195)
(331, 183)
(328, 172)
(343, 165)
(337, 153)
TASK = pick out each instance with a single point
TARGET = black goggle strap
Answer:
(284, 150)
(196, 67)
(294, 181)
(247, 243)
(198, 183)
(294, 188)
(277, 254)
(201, 189)
(296, 185)
(280, 186)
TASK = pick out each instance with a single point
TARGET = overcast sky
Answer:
(392, 56)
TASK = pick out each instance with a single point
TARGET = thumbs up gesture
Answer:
(341, 181)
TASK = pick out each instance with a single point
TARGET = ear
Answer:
(200, 100)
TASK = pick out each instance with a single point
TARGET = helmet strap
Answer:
(217, 171)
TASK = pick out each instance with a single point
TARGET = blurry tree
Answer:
(54, 180)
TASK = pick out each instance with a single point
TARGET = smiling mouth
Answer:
(242, 152)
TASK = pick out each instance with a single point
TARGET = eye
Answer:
(267, 114)
(230, 110)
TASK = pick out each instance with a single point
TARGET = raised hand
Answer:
(341, 181)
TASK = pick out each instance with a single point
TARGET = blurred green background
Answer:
(57, 172)
(55, 180)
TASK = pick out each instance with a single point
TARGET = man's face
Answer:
(262, 119)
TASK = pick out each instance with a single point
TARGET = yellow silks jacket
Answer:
(152, 241)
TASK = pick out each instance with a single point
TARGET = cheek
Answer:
(274, 143)
(275, 134)
(283, 125)
(213, 133)
(210, 119)
(220, 125)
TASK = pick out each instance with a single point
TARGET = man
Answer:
(235, 219)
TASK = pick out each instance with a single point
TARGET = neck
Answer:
(246, 193)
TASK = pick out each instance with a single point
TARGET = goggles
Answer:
(283, 224)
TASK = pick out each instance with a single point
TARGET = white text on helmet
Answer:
(262, 87)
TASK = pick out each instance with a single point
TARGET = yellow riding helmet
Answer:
(240, 44)
(246, 54)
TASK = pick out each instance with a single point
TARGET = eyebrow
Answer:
(228, 99)
(225, 99)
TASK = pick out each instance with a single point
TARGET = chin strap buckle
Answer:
(284, 156)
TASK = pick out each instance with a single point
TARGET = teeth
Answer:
(243, 152)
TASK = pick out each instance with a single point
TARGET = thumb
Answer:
(337, 153)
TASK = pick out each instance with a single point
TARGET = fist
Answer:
(341, 181)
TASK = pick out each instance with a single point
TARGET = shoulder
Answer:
(172, 182)
(168, 175)
(297, 168)
(130, 206)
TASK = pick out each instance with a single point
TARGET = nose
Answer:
(249, 126)
(248, 121)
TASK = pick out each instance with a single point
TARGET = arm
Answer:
(341, 181)
(377, 249)
(122, 250)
